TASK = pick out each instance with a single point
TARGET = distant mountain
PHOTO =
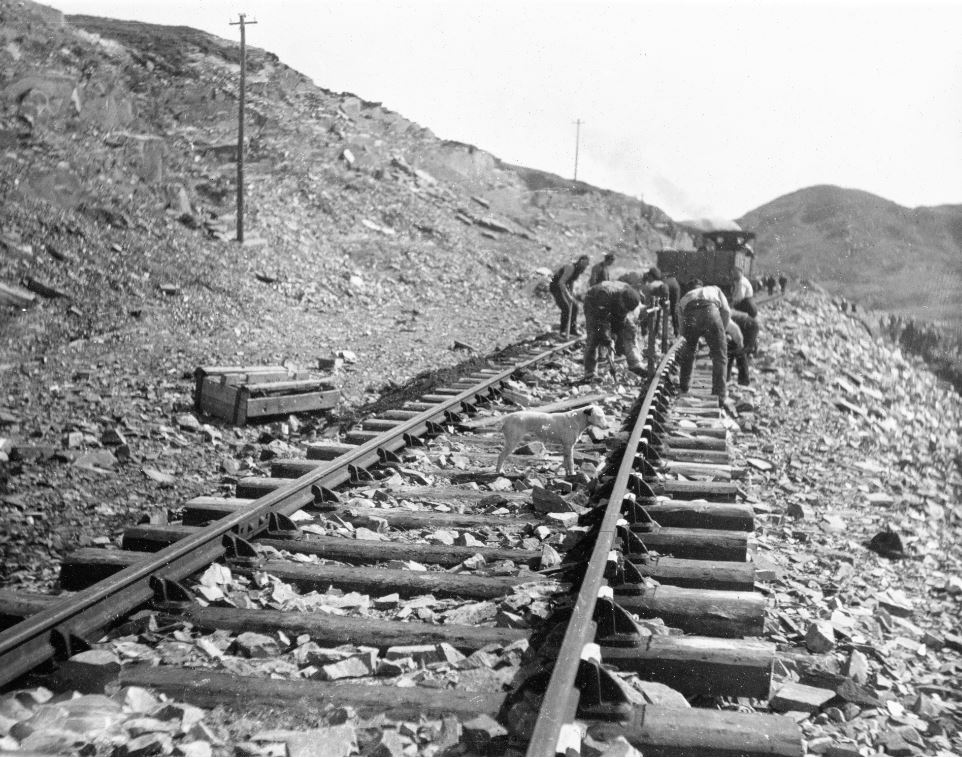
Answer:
(890, 258)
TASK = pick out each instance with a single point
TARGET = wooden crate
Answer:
(239, 393)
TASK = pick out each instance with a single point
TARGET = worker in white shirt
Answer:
(743, 293)
(704, 312)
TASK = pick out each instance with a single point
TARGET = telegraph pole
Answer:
(578, 124)
(242, 22)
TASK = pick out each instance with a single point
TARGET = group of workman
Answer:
(613, 308)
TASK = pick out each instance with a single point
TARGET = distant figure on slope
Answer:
(782, 282)
(600, 272)
(704, 312)
(611, 313)
(770, 284)
(562, 289)
(742, 293)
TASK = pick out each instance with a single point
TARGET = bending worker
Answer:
(704, 312)
(612, 308)
(562, 289)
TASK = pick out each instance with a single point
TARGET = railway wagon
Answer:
(719, 253)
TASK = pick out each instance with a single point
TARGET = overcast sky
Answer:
(702, 108)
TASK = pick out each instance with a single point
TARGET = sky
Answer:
(708, 108)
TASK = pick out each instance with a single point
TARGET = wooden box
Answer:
(237, 394)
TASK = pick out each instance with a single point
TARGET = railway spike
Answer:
(603, 697)
(651, 455)
(280, 526)
(239, 549)
(631, 543)
(322, 495)
(615, 626)
(469, 407)
(66, 643)
(167, 591)
(411, 440)
(621, 573)
(643, 492)
(636, 514)
(434, 428)
(359, 474)
(452, 417)
(387, 456)
(648, 472)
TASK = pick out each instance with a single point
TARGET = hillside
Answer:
(365, 232)
(906, 261)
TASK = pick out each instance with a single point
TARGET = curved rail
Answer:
(560, 699)
(50, 631)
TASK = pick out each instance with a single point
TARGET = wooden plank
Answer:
(285, 404)
(697, 456)
(89, 565)
(696, 665)
(695, 574)
(680, 490)
(329, 630)
(561, 405)
(149, 538)
(44, 290)
(662, 731)
(328, 451)
(289, 387)
(379, 424)
(718, 472)
(18, 297)
(702, 514)
(381, 581)
(358, 437)
(348, 550)
(16, 606)
(717, 432)
(210, 689)
(716, 613)
(686, 442)
(704, 544)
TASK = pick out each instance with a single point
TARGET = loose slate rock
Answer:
(792, 696)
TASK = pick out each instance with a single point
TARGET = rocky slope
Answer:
(905, 261)
(364, 231)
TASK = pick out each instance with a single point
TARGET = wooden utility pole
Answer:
(242, 23)
(578, 124)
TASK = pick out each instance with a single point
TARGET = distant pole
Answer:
(578, 123)
(242, 22)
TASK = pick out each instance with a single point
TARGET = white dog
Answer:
(560, 428)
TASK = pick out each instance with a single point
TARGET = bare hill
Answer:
(367, 232)
(891, 258)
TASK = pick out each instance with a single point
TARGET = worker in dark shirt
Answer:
(611, 315)
(562, 289)
(741, 345)
(600, 272)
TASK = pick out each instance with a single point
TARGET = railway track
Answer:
(530, 608)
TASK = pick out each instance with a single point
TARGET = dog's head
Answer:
(595, 416)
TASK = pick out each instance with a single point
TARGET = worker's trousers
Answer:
(569, 309)
(703, 319)
(599, 327)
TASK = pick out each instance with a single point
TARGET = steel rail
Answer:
(43, 635)
(560, 698)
